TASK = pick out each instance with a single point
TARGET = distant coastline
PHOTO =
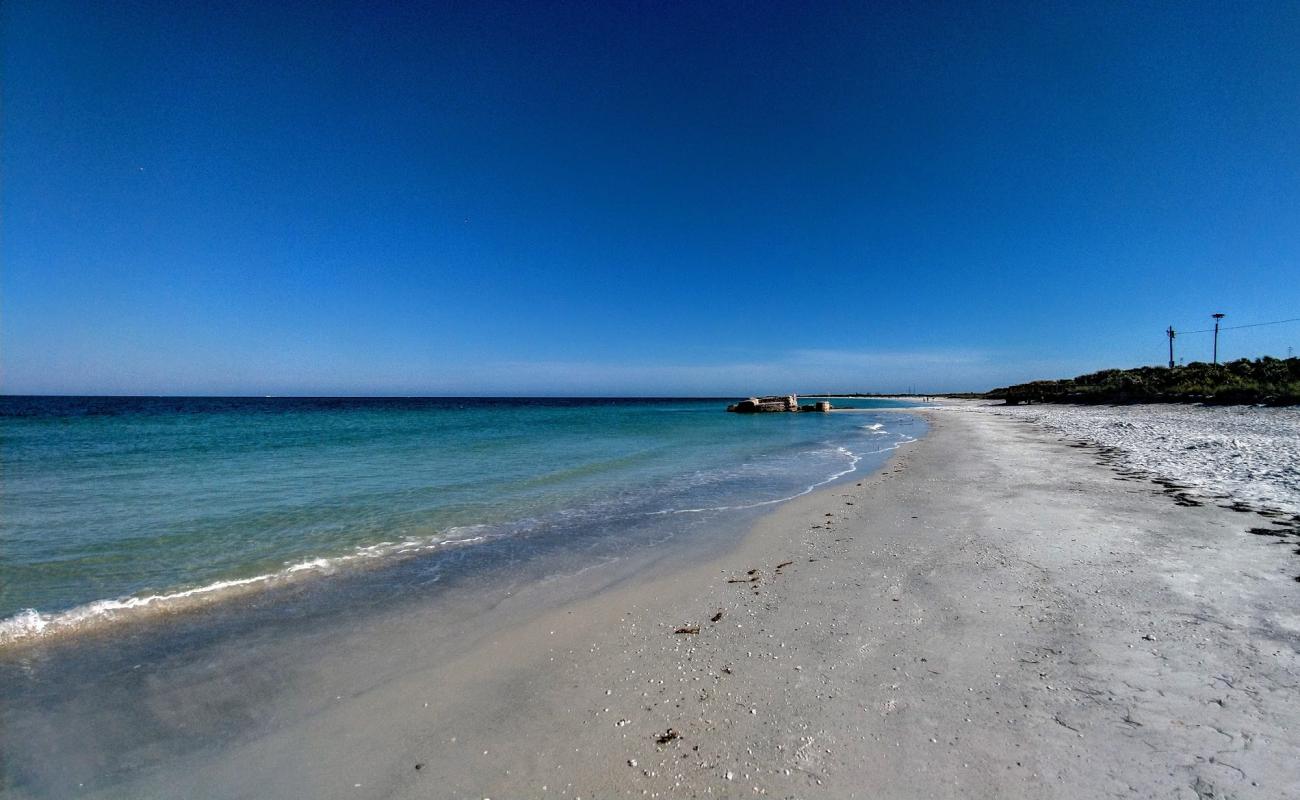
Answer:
(1260, 381)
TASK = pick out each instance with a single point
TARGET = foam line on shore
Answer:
(853, 467)
(32, 624)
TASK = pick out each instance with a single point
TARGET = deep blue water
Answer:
(122, 506)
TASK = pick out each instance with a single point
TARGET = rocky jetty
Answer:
(789, 402)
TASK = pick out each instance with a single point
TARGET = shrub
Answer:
(1263, 380)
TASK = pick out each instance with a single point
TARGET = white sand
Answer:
(1244, 453)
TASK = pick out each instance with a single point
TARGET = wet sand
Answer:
(996, 613)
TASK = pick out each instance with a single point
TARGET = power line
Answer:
(1239, 327)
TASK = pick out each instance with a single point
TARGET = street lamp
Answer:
(1217, 317)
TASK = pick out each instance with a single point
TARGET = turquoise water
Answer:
(116, 506)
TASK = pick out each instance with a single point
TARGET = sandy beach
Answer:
(998, 613)
(575, 400)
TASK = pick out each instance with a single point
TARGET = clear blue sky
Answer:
(605, 198)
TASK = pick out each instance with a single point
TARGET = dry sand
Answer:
(996, 614)
(1248, 453)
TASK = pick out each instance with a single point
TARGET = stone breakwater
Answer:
(1248, 454)
(790, 402)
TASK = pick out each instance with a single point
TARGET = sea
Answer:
(115, 508)
(145, 538)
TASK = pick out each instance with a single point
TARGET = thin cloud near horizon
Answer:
(799, 370)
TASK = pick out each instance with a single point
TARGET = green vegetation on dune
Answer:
(1272, 381)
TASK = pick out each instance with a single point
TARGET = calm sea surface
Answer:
(121, 506)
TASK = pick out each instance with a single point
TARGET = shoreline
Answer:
(966, 650)
(435, 631)
(992, 613)
(30, 627)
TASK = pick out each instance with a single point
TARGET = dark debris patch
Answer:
(667, 736)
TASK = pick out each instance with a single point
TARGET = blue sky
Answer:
(608, 198)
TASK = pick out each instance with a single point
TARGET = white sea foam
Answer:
(31, 623)
(853, 457)
(1248, 453)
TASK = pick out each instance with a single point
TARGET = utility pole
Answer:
(1171, 334)
(1217, 317)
